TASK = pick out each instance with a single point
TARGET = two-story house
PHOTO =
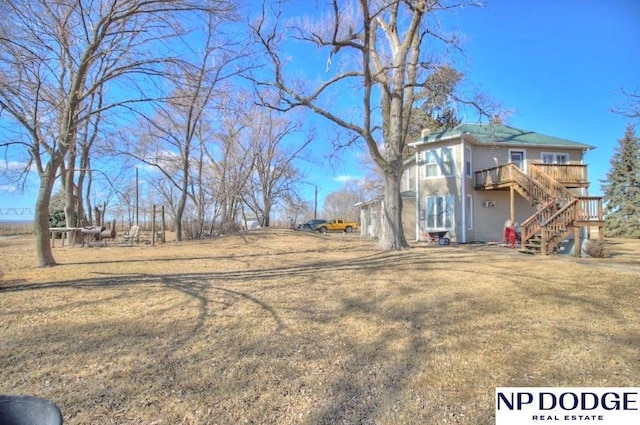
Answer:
(467, 182)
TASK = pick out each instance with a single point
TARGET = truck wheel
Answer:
(323, 230)
(348, 229)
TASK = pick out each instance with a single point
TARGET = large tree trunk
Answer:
(392, 232)
(43, 237)
(179, 214)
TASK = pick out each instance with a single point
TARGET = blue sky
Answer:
(557, 65)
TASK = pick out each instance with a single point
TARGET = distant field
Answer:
(284, 327)
(11, 228)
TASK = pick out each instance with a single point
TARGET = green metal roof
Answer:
(495, 134)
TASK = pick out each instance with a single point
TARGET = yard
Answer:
(284, 327)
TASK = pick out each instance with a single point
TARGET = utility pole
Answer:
(315, 208)
(137, 222)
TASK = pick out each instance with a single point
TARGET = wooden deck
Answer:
(560, 212)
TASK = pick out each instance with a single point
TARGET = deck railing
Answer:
(493, 176)
(509, 173)
(589, 209)
(533, 224)
(565, 173)
(554, 229)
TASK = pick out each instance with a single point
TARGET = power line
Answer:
(16, 211)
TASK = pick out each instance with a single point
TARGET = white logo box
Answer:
(567, 405)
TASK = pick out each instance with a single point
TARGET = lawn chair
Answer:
(28, 410)
(131, 235)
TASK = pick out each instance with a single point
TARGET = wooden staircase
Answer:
(560, 212)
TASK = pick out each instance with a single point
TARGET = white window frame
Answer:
(434, 165)
(524, 157)
(440, 212)
(554, 157)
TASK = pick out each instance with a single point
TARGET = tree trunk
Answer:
(70, 198)
(43, 236)
(179, 213)
(392, 231)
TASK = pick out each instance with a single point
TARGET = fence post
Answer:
(153, 226)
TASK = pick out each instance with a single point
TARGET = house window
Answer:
(554, 158)
(439, 212)
(517, 158)
(467, 161)
(430, 164)
(439, 162)
(447, 161)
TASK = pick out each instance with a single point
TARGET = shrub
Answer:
(596, 248)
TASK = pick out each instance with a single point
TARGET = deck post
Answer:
(543, 241)
(513, 205)
(577, 246)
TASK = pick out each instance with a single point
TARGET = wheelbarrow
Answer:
(438, 237)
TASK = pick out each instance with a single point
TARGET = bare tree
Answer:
(274, 146)
(630, 105)
(56, 54)
(341, 203)
(381, 46)
(173, 144)
(228, 154)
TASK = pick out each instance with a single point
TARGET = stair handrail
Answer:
(556, 226)
(533, 224)
(530, 185)
(563, 194)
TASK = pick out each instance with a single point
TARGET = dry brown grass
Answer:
(281, 327)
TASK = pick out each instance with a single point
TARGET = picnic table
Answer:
(69, 233)
(75, 234)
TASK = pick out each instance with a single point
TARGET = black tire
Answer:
(323, 230)
(442, 241)
(348, 229)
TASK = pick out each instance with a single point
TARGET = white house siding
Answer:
(489, 222)
(470, 227)
(409, 218)
(370, 218)
(485, 157)
(534, 155)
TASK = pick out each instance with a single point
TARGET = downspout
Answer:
(463, 183)
(417, 190)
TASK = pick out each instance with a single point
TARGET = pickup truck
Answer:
(337, 225)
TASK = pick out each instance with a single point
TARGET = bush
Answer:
(596, 248)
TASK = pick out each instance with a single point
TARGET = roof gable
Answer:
(497, 134)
